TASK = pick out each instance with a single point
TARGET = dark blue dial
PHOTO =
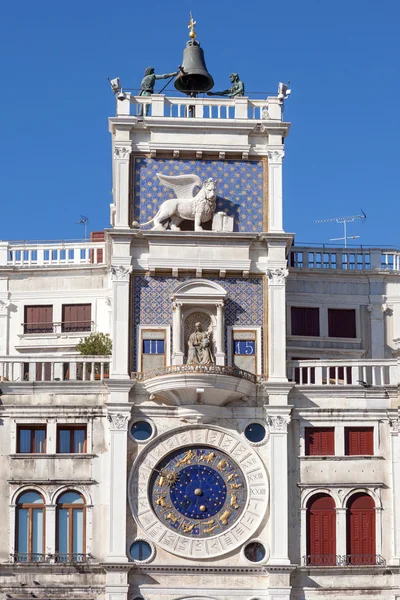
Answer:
(200, 492)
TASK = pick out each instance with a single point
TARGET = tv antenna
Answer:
(343, 221)
(84, 221)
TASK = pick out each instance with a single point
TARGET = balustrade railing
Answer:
(49, 368)
(43, 254)
(364, 373)
(196, 369)
(182, 107)
(344, 560)
(344, 259)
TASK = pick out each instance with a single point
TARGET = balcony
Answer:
(356, 373)
(346, 560)
(344, 259)
(52, 254)
(59, 327)
(31, 369)
(58, 558)
(193, 384)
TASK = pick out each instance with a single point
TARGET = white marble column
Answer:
(118, 418)
(177, 356)
(122, 151)
(220, 353)
(120, 334)
(50, 529)
(395, 455)
(4, 326)
(341, 531)
(278, 420)
(275, 221)
(277, 323)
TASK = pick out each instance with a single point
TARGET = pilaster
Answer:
(177, 355)
(117, 585)
(122, 152)
(4, 325)
(395, 454)
(275, 220)
(376, 311)
(120, 275)
(277, 323)
(278, 419)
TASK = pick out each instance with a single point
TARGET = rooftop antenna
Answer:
(343, 221)
(84, 221)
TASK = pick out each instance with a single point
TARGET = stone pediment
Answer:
(198, 290)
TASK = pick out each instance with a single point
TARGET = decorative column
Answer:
(341, 529)
(220, 353)
(120, 209)
(4, 326)
(177, 356)
(120, 289)
(275, 159)
(119, 419)
(277, 323)
(395, 452)
(278, 470)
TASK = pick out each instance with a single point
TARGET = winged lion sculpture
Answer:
(199, 208)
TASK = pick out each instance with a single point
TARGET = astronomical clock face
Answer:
(198, 492)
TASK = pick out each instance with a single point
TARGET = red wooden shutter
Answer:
(361, 544)
(96, 255)
(38, 319)
(341, 322)
(321, 534)
(305, 321)
(359, 441)
(320, 441)
(76, 317)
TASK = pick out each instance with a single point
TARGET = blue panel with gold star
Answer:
(198, 491)
(240, 188)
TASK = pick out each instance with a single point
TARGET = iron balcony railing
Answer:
(343, 560)
(59, 327)
(196, 369)
(58, 557)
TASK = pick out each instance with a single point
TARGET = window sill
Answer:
(336, 457)
(58, 455)
(320, 338)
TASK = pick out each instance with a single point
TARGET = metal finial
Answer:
(192, 33)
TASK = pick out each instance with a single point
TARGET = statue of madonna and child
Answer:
(200, 352)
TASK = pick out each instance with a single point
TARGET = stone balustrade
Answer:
(196, 369)
(363, 372)
(344, 259)
(50, 254)
(158, 105)
(41, 368)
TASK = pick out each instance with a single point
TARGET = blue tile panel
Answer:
(240, 187)
(152, 304)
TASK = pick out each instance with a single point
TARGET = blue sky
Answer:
(342, 152)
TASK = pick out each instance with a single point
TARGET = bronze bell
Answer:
(194, 77)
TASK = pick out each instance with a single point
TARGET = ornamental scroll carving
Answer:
(122, 152)
(278, 424)
(277, 276)
(121, 273)
(119, 421)
(275, 156)
(394, 426)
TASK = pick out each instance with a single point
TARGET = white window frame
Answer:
(166, 329)
(257, 330)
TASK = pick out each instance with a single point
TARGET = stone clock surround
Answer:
(243, 529)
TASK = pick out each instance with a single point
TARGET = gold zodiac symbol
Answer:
(236, 486)
(223, 464)
(224, 518)
(188, 457)
(234, 501)
(210, 522)
(188, 528)
(210, 529)
(161, 502)
(232, 476)
(207, 457)
(161, 481)
(170, 517)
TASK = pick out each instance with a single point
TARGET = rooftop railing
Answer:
(182, 107)
(50, 254)
(364, 373)
(49, 368)
(344, 259)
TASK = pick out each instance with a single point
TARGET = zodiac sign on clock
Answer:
(187, 458)
(207, 457)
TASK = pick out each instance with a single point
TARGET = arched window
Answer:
(361, 546)
(29, 541)
(321, 530)
(71, 527)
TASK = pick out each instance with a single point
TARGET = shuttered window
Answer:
(359, 441)
(76, 317)
(320, 441)
(38, 319)
(321, 530)
(305, 321)
(361, 546)
(341, 322)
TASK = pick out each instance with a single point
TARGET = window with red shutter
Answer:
(342, 322)
(320, 441)
(76, 317)
(38, 319)
(321, 530)
(361, 546)
(359, 441)
(305, 321)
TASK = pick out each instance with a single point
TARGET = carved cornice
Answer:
(121, 273)
(277, 276)
(122, 152)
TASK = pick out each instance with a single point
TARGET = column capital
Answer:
(277, 275)
(277, 423)
(122, 151)
(394, 426)
(275, 156)
(121, 272)
(176, 305)
(119, 420)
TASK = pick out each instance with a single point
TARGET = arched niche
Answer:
(206, 299)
